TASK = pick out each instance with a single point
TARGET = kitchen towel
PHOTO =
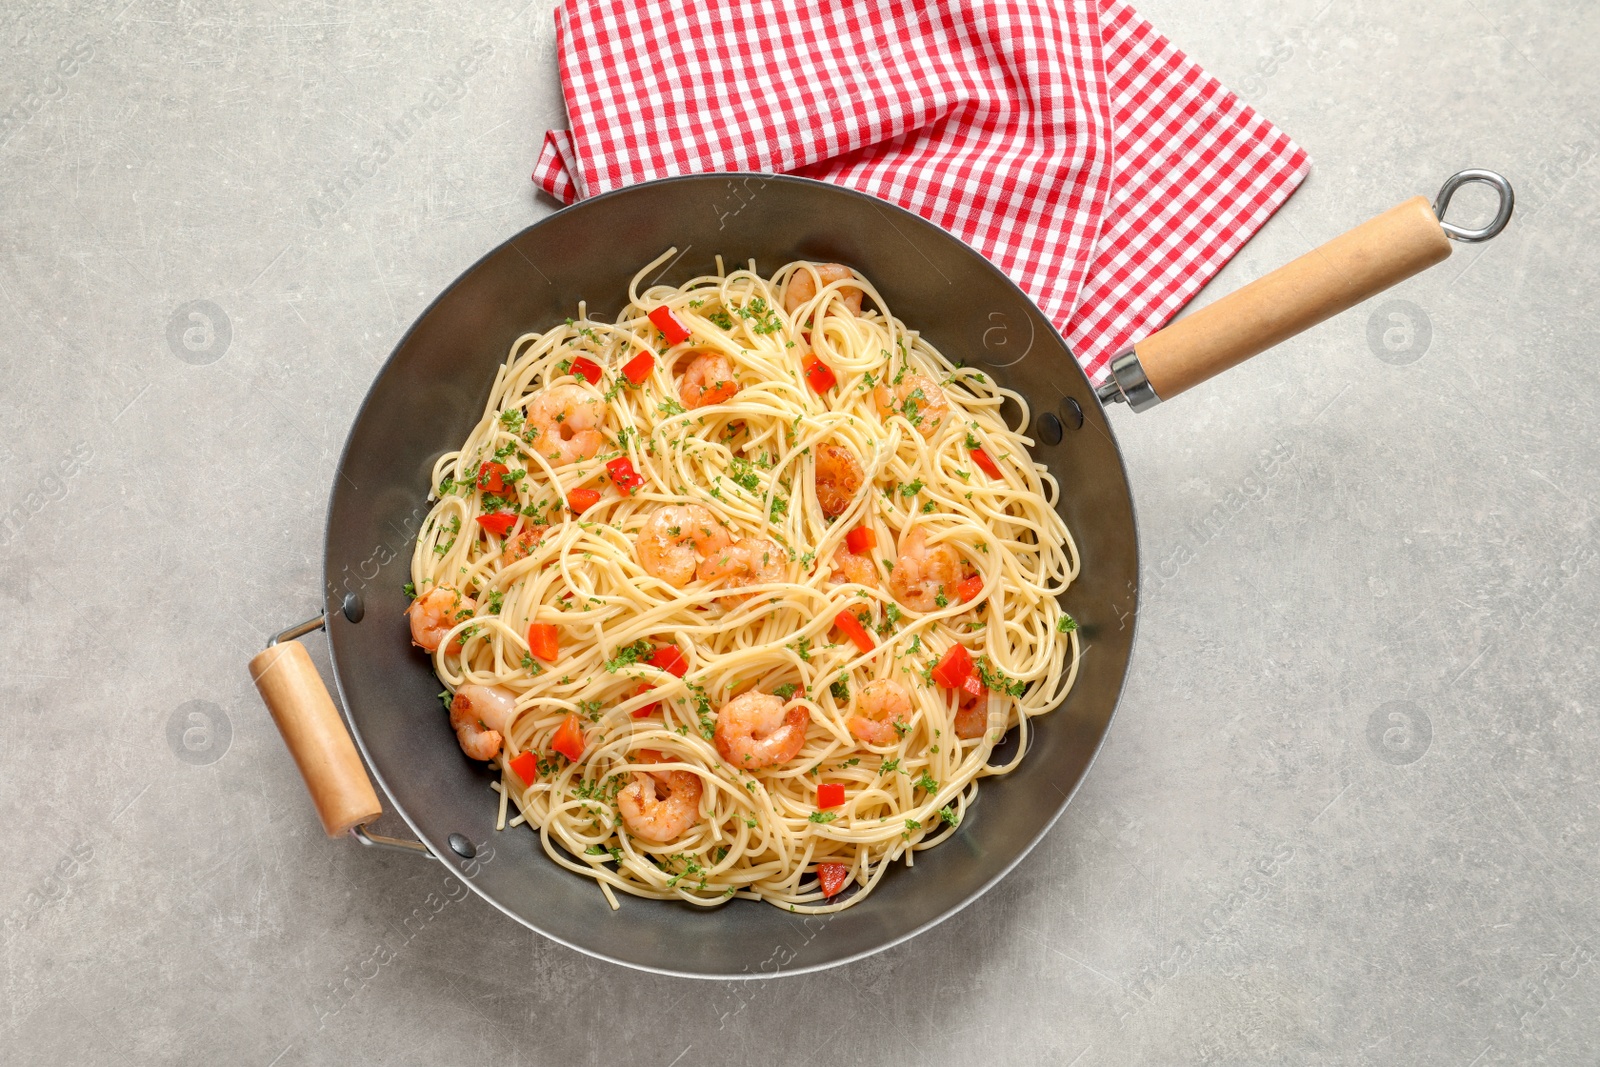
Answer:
(1066, 140)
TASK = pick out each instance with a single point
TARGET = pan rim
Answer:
(459, 866)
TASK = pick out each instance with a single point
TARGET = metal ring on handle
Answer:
(1502, 216)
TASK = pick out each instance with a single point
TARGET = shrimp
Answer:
(481, 715)
(916, 397)
(972, 715)
(434, 612)
(659, 806)
(565, 421)
(838, 478)
(880, 707)
(850, 567)
(802, 286)
(674, 536)
(522, 546)
(752, 561)
(754, 731)
(708, 379)
(924, 574)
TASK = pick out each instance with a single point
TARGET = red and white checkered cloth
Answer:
(1066, 140)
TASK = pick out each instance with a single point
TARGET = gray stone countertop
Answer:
(1347, 813)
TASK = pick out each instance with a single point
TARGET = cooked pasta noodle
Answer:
(666, 579)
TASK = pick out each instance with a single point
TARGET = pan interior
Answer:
(431, 393)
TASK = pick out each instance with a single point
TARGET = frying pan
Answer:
(432, 391)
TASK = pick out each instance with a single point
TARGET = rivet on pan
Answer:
(1047, 428)
(1071, 413)
(352, 607)
(462, 846)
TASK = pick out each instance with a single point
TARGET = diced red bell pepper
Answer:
(499, 522)
(646, 711)
(819, 374)
(526, 767)
(985, 464)
(587, 369)
(669, 659)
(581, 500)
(568, 739)
(491, 477)
(833, 877)
(954, 668)
(544, 641)
(970, 588)
(670, 326)
(972, 687)
(623, 475)
(830, 795)
(861, 540)
(851, 625)
(637, 369)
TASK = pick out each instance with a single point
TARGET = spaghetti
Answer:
(741, 591)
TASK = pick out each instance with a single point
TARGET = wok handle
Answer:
(1353, 267)
(310, 724)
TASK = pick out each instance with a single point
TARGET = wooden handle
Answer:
(293, 691)
(1342, 273)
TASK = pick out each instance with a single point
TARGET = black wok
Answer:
(432, 391)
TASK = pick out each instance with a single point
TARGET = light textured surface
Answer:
(1347, 813)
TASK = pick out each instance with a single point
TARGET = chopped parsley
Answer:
(762, 319)
(891, 616)
(947, 813)
(890, 766)
(779, 507)
(744, 475)
(993, 679)
(786, 690)
(911, 488)
(926, 783)
(628, 656)
(1066, 624)
(840, 690)
(702, 711)
(824, 816)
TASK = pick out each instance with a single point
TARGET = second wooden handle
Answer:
(1347, 270)
(293, 691)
